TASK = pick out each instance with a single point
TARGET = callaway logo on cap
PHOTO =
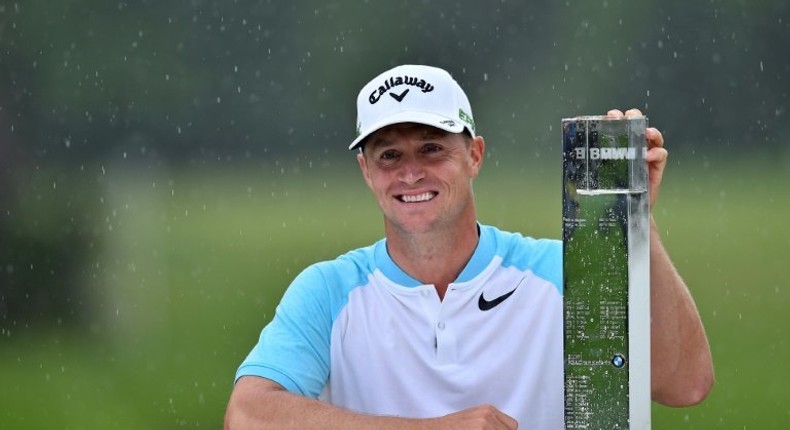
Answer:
(411, 93)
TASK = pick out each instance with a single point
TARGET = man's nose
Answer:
(411, 171)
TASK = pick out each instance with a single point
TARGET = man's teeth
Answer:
(424, 197)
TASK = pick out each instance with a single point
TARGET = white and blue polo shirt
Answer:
(361, 333)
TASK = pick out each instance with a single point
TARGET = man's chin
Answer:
(414, 226)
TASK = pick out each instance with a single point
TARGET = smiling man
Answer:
(445, 323)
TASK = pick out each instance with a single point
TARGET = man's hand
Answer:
(485, 417)
(656, 154)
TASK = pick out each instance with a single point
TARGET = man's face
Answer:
(422, 176)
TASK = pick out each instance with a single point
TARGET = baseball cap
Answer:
(412, 93)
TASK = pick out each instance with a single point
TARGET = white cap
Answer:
(411, 93)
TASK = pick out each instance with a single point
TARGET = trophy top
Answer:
(605, 118)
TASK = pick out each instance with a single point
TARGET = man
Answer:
(420, 330)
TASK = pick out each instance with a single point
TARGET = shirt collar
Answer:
(484, 252)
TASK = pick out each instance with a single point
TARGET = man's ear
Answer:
(363, 166)
(477, 154)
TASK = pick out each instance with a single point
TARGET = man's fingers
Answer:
(654, 138)
(502, 420)
(657, 155)
(506, 420)
(633, 112)
(477, 418)
(617, 113)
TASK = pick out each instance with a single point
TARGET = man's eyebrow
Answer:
(426, 133)
(377, 142)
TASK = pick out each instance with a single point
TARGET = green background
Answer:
(166, 168)
(190, 273)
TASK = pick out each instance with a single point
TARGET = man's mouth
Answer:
(417, 198)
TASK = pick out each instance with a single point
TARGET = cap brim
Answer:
(426, 118)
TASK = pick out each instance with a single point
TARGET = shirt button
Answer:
(426, 293)
(440, 326)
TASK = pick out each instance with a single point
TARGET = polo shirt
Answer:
(361, 333)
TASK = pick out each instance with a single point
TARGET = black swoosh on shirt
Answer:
(487, 305)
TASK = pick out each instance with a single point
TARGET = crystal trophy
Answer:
(606, 273)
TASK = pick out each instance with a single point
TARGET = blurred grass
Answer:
(193, 263)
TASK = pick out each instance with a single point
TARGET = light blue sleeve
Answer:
(293, 349)
(542, 256)
(546, 261)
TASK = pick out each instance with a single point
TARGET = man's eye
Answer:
(388, 155)
(431, 147)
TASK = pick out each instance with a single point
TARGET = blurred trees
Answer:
(207, 80)
(87, 85)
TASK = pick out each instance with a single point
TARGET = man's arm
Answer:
(259, 403)
(681, 364)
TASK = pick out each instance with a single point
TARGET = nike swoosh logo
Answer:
(400, 97)
(487, 305)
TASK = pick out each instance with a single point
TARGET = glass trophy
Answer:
(606, 273)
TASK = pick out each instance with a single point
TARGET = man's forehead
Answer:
(421, 130)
